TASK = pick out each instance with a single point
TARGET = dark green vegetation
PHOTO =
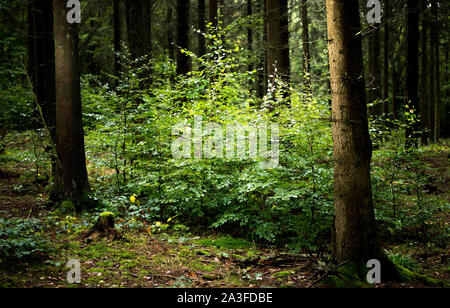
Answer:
(212, 222)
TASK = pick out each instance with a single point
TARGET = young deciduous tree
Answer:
(72, 180)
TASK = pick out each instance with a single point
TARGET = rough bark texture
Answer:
(305, 47)
(183, 65)
(412, 68)
(70, 136)
(278, 39)
(354, 213)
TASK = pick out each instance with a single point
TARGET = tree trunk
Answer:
(170, 40)
(117, 38)
(437, 71)
(182, 36)
(278, 64)
(139, 34)
(432, 104)
(213, 18)
(41, 69)
(354, 213)
(250, 34)
(387, 13)
(202, 27)
(305, 46)
(424, 75)
(412, 69)
(69, 127)
(374, 92)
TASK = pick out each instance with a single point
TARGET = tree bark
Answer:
(249, 33)
(201, 27)
(432, 104)
(117, 38)
(374, 92)
(183, 66)
(424, 76)
(213, 17)
(387, 14)
(69, 127)
(305, 46)
(139, 35)
(412, 69)
(278, 63)
(355, 234)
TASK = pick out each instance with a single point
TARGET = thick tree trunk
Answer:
(278, 63)
(355, 238)
(183, 66)
(69, 127)
(412, 69)
(305, 47)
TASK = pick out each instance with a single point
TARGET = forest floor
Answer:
(140, 259)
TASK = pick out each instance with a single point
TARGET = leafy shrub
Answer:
(22, 239)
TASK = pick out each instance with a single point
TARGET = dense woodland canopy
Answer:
(357, 114)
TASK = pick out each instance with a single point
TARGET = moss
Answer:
(350, 277)
(226, 242)
(282, 274)
(407, 275)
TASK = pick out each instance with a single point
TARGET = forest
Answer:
(224, 144)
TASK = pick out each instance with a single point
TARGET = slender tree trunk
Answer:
(183, 66)
(250, 34)
(432, 104)
(213, 17)
(41, 69)
(69, 127)
(355, 234)
(412, 69)
(278, 62)
(170, 36)
(374, 92)
(139, 33)
(437, 71)
(262, 66)
(387, 13)
(117, 37)
(424, 76)
(305, 47)
(202, 27)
